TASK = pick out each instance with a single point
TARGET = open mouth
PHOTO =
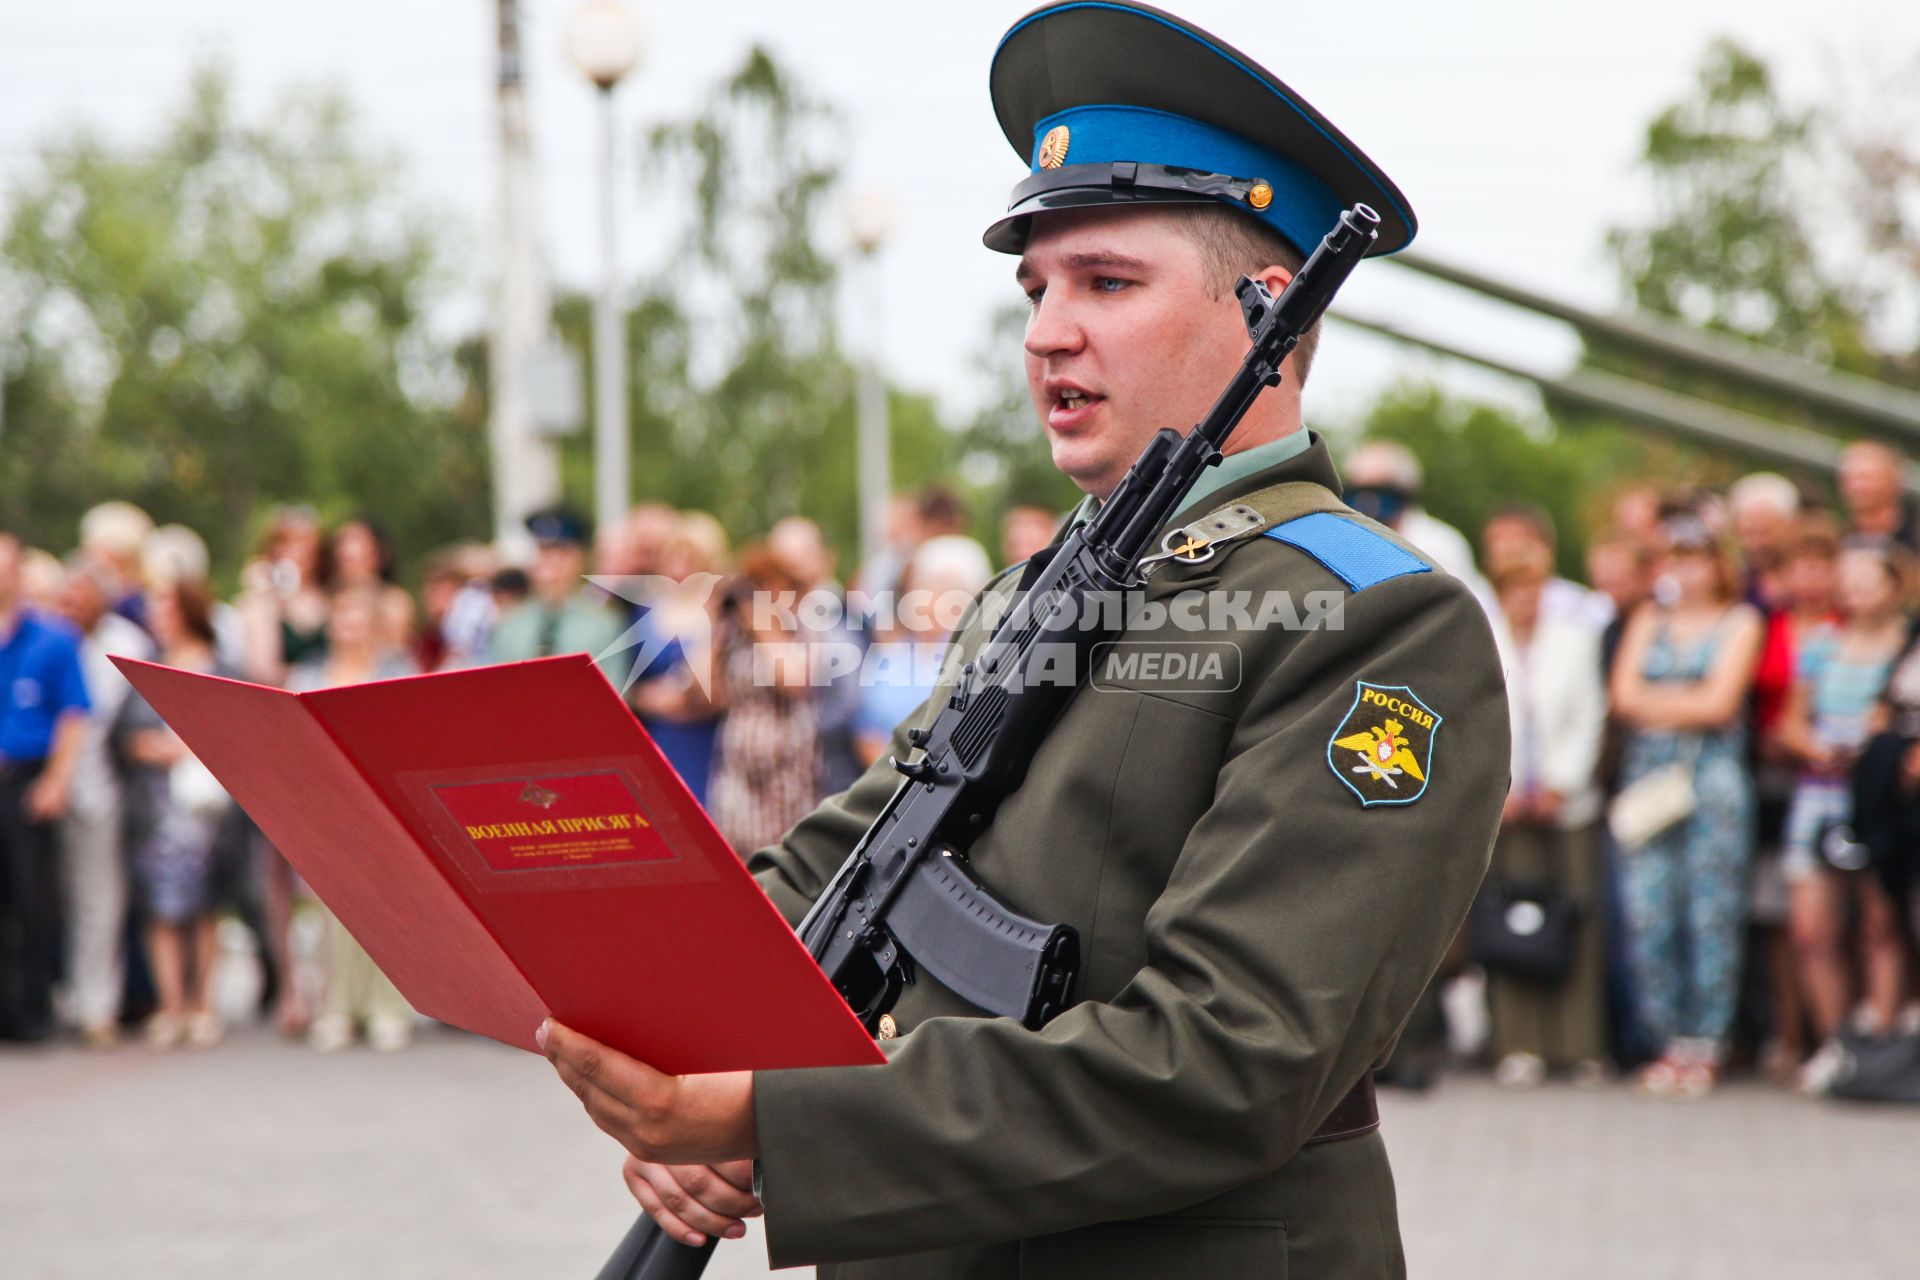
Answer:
(1071, 406)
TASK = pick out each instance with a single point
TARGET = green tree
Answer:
(229, 316)
(1731, 246)
(742, 399)
(1783, 223)
(1478, 457)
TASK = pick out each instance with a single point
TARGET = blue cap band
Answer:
(1303, 206)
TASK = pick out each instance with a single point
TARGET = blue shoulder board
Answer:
(1354, 553)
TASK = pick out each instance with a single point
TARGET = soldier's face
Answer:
(1125, 336)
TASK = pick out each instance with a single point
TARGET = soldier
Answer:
(1265, 857)
(561, 616)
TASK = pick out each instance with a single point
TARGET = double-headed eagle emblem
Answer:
(1384, 753)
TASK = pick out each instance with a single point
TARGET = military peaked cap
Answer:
(1118, 103)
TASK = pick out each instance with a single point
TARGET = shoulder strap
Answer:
(1289, 500)
(1309, 517)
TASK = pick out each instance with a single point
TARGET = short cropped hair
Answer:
(1232, 245)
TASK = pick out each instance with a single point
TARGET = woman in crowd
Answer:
(283, 596)
(673, 695)
(1680, 687)
(1830, 716)
(1558, 707)
(359, 557)
(358, 995)
(902, 664)
(177, 814)
(766, 776)
(1803, 617)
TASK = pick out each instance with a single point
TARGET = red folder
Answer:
(507, 843)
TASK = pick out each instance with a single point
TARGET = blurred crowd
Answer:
(1707, 857)
(120, 852)
(1708, 853)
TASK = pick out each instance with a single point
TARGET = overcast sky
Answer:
(1512, 128)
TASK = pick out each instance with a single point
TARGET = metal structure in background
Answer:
(869, 217)
(526, 471)
(604, 42)
(1697, 420)
(1853, 400)
(1849, 403)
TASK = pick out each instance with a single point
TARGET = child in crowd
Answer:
(1830, 715)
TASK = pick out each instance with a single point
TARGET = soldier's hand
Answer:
(694, 1201)
(655, 1116)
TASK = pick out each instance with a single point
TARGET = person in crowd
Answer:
(1680, 686)
(674, 695)
(880, 574)
(440, 583)
(40, 582)
(93, 852)
(648, 527)
(114, 533)
(507, 589)
(175, 553)
(766, 775)
(1886, 808)
(466, 628)
(1636, 516)
(835, 649)
(1764, 507)
(360, 556)
(1383, 480)
(943, 512)
(1621, 569)
(1803, 617)
(43, 730)
(251, 875)
(283, 597)
(563, 614)
(1558, 708)
(903, 663)
(1829, 718)
(1873, 492)
(1561, 597)
(1025, 530)
(358, 996)
(177, 815)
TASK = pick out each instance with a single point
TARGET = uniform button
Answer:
(888, 1027)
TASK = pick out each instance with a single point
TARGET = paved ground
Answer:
(462, 1159)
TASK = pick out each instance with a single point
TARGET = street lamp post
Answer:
(869, 216)
(604, 42)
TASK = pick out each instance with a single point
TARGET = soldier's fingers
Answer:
(714, 1191)
(677, 1201)
(587, 1065)
(650, 1202)
(740, 1174)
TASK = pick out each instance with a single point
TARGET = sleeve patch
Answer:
(1351, 552)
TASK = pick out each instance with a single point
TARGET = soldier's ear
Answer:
(1275, 277)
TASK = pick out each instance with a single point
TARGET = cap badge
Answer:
(1260, 195)
(1053, 147)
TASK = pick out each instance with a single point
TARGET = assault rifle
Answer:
(906, 896)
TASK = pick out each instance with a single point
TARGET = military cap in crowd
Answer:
(558, 524)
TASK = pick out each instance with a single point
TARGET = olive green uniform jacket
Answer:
(1253, 936)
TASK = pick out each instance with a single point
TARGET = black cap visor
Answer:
(1085, 186)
